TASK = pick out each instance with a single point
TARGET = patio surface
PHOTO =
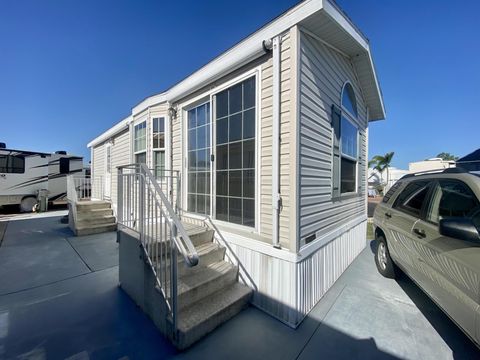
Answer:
(59, 298)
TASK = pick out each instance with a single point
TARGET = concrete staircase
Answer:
(94, 217)
(208, 294)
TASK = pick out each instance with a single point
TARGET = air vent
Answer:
(3, 146)
(61, 152)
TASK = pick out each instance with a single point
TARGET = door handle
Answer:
(388, 215)
(420, 233)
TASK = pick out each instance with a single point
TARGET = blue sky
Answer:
(71, 69)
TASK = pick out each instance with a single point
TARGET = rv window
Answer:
(64, 166)
(12, 164)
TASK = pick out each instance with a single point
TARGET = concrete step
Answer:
(94, 229)
(93, 213)
(104, 220)
(196, 286)
(197, 320)
(93, 204)
(208, 254)
(199, 234)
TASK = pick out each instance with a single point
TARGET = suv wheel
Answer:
(384, 262)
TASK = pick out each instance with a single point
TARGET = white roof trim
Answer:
(245, 51)
(122, 125)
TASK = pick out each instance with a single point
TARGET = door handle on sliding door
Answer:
(420, 233)
(388, 215)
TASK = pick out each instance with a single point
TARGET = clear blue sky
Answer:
(71, 69)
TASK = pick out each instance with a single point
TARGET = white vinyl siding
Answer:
(120, 156)
(323, 72)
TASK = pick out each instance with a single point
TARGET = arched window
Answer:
(345, 150)
(349, 102)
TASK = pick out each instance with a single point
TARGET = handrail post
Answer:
(119, 195)
(179, 193)
(173, 274)
(141, 204)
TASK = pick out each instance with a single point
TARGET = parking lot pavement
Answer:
(67, 304)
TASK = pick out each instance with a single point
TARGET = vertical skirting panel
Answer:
(317, 273)
(288, 290)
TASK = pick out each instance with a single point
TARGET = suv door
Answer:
(451, 266)
(400, 219)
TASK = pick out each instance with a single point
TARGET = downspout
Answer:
(276, 199)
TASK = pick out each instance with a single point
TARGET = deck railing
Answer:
(85, 187)
(146, 204)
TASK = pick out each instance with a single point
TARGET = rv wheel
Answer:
(28, 204)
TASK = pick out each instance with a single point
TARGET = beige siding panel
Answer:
(98, 161)
(323, 72)
(120, 156)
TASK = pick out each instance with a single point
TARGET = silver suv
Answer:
(428, 226)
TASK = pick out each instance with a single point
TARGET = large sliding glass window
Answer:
(158, 146)
(235, 153)
(198, 183)
(140, 142)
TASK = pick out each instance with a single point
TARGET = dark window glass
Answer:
(348, 175)
(201, 204)
(249, 93)
(12, 164)
(222, 183)
(412, 197)
(192, 160)
(235, 210)
(222, 157)
(191, 203)
(202, 137)
(222, 131)
(192, 139)
(201, 183)
(192, 118)
(349, 138)
(249, 183)
(141, 158)
(222, 208)
(348, 99)
(249, 154)
(249, 124)
(201, 115)
(192, 183)
(202, 160)
(235, 183)
(64, 165)
(235, 122)
(249, 212)
(235, 130)
(158, 133)
(222, 104)
(235, 156)
(451, 199)
(235, 99)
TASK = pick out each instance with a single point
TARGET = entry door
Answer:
(198, 160)
(108, 171)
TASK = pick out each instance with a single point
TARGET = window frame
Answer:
(351, 118)
(208, 96)
(158, 149)
(135, 152)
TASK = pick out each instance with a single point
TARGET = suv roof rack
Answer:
(454, 170)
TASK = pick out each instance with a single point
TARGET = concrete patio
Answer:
(59, 298)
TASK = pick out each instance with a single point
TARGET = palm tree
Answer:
(380, 163)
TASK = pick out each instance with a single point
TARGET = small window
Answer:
(412, 198)
(391, 191)
(141, 158)
(140, 137)
(158, 133)
(349, 101)
(12, 164)
(451, 199)
(349, 135)
(64, 165)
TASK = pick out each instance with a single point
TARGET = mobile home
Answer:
(24, 173)
(270, 142)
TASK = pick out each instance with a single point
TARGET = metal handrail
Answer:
(144, 207)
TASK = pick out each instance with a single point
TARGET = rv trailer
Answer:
(24, 173)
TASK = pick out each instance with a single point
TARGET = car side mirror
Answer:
(459, 228)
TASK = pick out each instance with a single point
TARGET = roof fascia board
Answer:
(122, 125)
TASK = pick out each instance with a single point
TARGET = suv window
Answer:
(392, 191)
(412, 198)
(451, 198)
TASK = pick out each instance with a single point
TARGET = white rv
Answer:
(24, 173)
